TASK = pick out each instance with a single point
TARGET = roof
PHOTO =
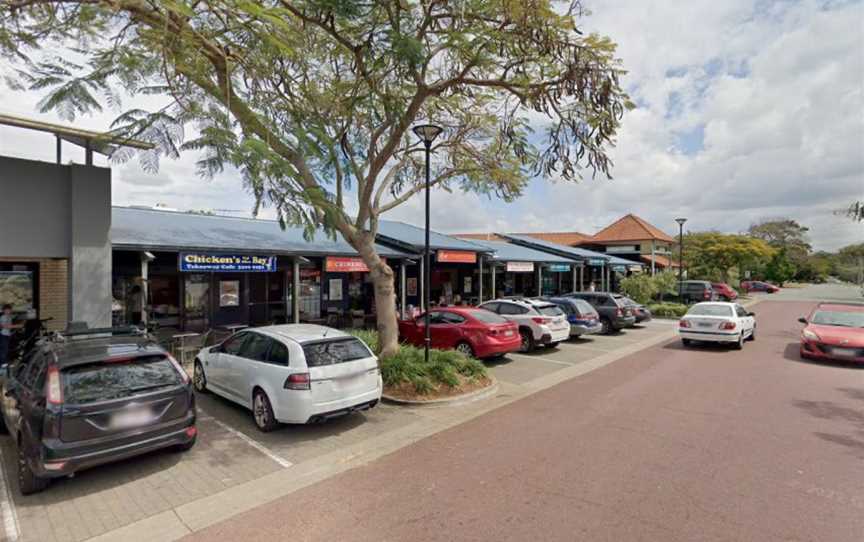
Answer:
(408, 237)
(662, 261)
(629, 228)
(83, 350)
(509, 252)
(150, 229)
(301, 333)
(98, 141)
(569, 238)
(480, 236)
(555, 248)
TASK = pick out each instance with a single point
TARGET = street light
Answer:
(427, 134)
(680, 222)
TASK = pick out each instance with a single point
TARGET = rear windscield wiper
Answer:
(153, 387)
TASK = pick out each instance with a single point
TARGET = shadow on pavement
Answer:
(829, 410)
(709, 348)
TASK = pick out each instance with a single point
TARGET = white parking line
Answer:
(7, 507)
(247, 439)
(538, 358)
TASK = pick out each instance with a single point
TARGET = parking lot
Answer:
(234, 467)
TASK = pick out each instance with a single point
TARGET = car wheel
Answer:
(752, 336)
(465, 348)
(686, 342)
(739, 344)
(262, 412)
(527, 344)
(28, 482)
(607, 326)
(553, 345)
(199, 379)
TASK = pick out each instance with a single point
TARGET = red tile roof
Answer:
(660, 261)
(569, 238)
(630, 228)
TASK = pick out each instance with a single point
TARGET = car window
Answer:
(710, 310)
(567, 308)
(549, 310)
(838, 318)
(434, 318)
(233, 344)
(255, 347)
(278, 353)
(584, 307)
(511, 308)
(95, 382)
(740, 310)
(608, 301)
(487, 317)
(30, 373)
(452, 318)
(334, 351)
(492, 307)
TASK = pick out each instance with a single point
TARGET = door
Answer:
(216, 366)
(449, 329)
(747, 322)
(196, 303)
(30, 398)
(247, 366)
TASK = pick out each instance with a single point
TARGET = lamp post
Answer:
(680, 222)
(427, 134)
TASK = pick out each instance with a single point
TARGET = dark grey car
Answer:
(614, 314)
(92, 398)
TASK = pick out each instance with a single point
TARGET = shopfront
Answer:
(515, 270)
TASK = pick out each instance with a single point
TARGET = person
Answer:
(591, 286)
(7, 324)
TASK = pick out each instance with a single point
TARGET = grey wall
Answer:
(55, 211)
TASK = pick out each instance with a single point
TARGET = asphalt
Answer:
(667, 444)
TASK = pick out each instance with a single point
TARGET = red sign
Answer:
(345, 265)
(456, 256)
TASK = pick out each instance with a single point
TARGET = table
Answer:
(182, 338)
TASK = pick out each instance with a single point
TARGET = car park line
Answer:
(540, 358)
(7, 507)
(284, 463)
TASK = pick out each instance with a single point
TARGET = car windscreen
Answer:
(550, 310)
(838, 318)
(710, 310)
(487, 317)
(334, 351)
(105, 381)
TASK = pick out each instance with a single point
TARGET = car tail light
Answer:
(180, 369)
(540, 320)
(619, 313)
(683, 323)
(706, 294)
(54, 465)
(727, 325)
(492, 331)
(191, 431)
(298, 381)
(53, 391)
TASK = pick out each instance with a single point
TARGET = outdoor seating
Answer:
(186, 343)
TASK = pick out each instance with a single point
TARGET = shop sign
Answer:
(456, 256)
(196, 262)
(619, 267)
(635, 268)
(596, 261)
(559, 268)
(335, 264)
(520, 267)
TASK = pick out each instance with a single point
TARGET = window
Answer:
(549, 310)
(106, 381)
(833, 317)
(583, 307)
(452, 318)
(255, 347)
(29, 374)
(334, 351)
(608, 301)
(434, 318)
(487, 317)
(511, 308)
(233, 344)
(740, 310)
(278, 353)
(491, 307)
(710, 310)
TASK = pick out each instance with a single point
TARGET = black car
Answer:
(697, 291)
(641, 312)
(88, 398)
(614, 314)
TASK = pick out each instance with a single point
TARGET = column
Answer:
(539, 279)
(422, 280)
(494, 271)
(653, 269)
(582, 277)
(573, 270)
(480, 280)
(295, 291)
(145, 288)
(402, 284)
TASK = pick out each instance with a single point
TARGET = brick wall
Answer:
(53, 290)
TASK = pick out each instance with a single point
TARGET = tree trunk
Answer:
(385, 294)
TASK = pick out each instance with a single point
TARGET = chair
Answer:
(358, 319)
(189, 342)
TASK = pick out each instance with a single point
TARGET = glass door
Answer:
(196, 314)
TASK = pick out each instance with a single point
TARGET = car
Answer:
(834, 331)
(583, 318)
(615, 315)
(724, 291)
(475, 332)
(759, 286)
(93, 397)
(719, 322)
(696, 291)
(291, 373)
(539, 322)
(641, 312)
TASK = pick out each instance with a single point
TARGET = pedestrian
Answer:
(6, 326)
(591, 287)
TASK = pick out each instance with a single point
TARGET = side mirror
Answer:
(802, 320)
(751, 314)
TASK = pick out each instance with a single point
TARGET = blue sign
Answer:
(203, 261)
(559, 267)
(596, 261)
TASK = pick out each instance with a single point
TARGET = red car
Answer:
(726, 292)
(835, 331)
(759, 286)
(475, 332)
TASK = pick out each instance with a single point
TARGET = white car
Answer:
(296, 373)
(717, 322)
(540, 322)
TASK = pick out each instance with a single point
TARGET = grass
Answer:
(447, 370)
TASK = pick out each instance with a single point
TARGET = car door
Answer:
(747, 322)
(247, 366)
(30, 397)
(217, 366)
(437, 330)
(451, 329)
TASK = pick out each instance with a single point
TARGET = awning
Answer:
(659, 261)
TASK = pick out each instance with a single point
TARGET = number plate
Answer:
(704, 324)
(127, 419)
(508, 333)
(843, 352)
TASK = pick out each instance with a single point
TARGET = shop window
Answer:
(18, 286)
(164, 300)
(197, 302)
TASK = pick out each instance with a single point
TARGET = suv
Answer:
(614, 314)
(583, 318)
(540, 322)
(92, 397)
(696, 291)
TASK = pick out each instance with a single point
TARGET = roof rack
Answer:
(130, 331)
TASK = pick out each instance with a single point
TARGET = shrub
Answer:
(640, 287)
(408, 366)
(668, 310)
(368, 336)
(666, 284)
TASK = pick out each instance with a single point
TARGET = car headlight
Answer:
(810, 335)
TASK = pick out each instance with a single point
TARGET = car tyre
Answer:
(466, 349)
(752, 336)
(28, 482)
(527, 344)
(607, 326)
(262, 412)
(199, 379)
(686, 342)
(739, 344)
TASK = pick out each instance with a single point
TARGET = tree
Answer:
(712, 255)
(640, 287)
(666, 283)
(313, 100)
(780, 269)
(784, 233)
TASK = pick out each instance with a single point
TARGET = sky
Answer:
(746, 111)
